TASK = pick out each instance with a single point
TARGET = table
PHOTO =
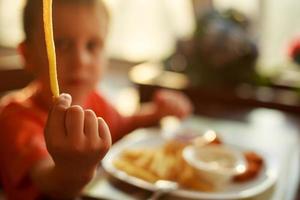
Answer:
(277, 133)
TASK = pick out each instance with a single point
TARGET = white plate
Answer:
(151, 138)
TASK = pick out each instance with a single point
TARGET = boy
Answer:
(54, 148)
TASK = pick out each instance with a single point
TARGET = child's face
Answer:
(79, 34)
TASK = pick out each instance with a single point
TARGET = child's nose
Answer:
(81, 58)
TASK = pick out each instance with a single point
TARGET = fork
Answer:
(163, 187)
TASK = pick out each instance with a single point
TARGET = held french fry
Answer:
(48, 27)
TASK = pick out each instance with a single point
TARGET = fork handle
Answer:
(156, 195)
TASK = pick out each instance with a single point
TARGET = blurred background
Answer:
(248, 48)
(228, 56)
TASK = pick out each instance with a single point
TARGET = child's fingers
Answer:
(74, 123)
(190, 109)
(104, 134)
(60, 104)
(56, 119)
(182, 104)
(183, 114)
(91, 125)
(184, 109)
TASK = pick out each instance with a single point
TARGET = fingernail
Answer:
(64, 99)
(101, 119)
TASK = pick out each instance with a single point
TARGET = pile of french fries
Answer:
(165, 162)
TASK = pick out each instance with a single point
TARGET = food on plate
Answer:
(217, 163)
(192, 135)
(166, 163)
(254, 166)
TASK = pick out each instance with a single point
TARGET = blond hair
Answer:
(32, 13)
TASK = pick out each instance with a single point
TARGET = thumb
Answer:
(56, 118)
(63, 101)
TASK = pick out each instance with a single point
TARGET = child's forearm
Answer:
(59, 183)
(147, 116)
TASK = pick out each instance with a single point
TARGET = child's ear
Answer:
(24, 51)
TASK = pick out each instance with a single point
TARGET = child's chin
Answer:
(77, 93)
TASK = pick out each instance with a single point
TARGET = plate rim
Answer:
(143, 134)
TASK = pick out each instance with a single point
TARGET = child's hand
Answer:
(76, 139)
(172, 103)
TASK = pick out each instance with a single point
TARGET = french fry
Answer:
(164, 163)
(145, 160)
(48, 27)
(133, 170)
(133, 154)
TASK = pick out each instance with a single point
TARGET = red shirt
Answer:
(22, 142)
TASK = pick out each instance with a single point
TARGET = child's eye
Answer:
(94, 46)
(62, 45)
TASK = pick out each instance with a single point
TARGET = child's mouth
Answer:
(76, 82)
